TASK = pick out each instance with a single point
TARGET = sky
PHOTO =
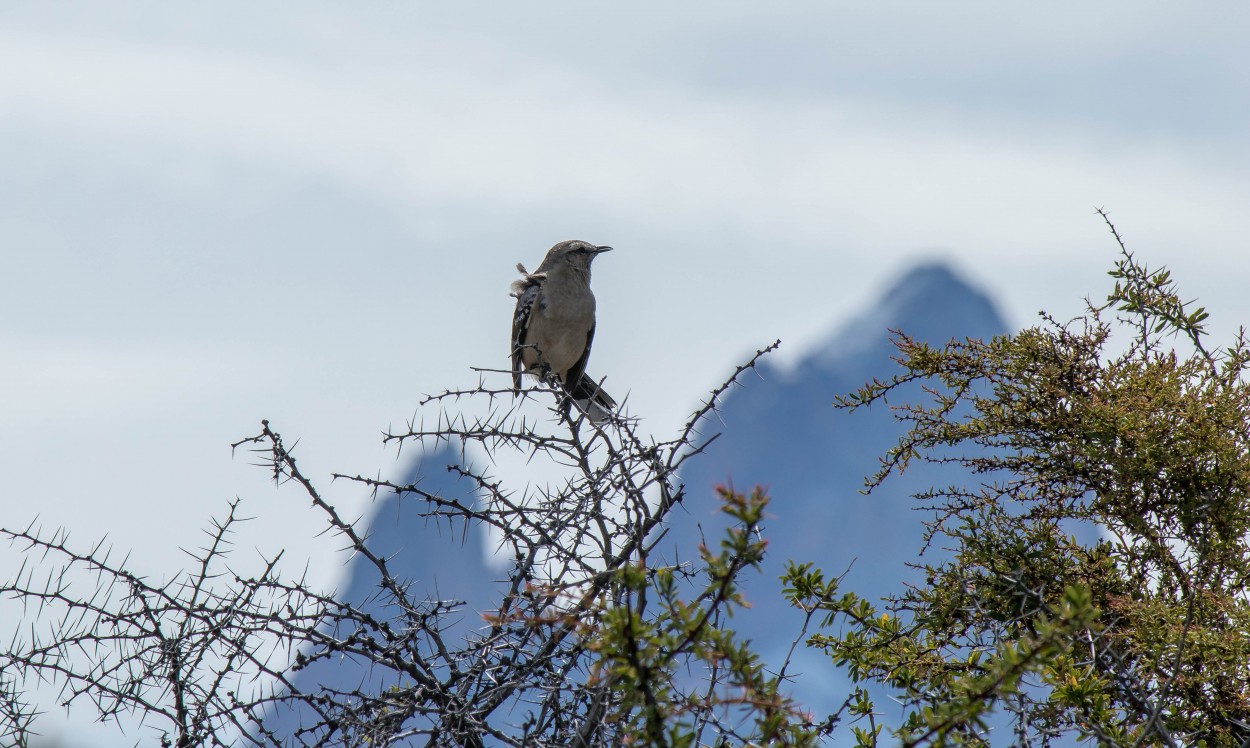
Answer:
(214, 214)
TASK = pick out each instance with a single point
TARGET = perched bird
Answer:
(554, 325)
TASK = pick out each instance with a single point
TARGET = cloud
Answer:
(80, 381)
(490, 137)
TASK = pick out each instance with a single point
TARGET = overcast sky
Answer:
(216, 213)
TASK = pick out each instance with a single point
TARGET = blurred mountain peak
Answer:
(926, 280)
(929, 301)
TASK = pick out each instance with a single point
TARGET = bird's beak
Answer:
(600, 250)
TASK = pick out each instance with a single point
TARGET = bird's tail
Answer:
(590, 399)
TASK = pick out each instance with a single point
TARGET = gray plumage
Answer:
(554, 325)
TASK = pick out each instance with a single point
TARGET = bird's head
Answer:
(573, 254)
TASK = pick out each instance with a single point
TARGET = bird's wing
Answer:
(574, 377)
(526, 290)
(587, 394)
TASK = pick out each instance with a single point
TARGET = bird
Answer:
(554, 325)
